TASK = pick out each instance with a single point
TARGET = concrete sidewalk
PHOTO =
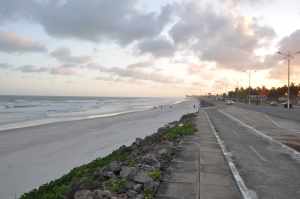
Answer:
(200, 170)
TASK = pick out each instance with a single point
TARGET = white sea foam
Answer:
(27, 111)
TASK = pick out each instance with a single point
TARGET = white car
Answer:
(229, 102)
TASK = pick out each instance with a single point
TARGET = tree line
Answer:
(271, 94)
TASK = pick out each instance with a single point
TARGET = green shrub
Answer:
(155, 175)
(179, 131)
(116, 185)
(148, 194)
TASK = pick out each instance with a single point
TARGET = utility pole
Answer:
(288, 56)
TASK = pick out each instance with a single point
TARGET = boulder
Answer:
(137, 188)
(132, 193)
(151, 160)
(138, 141)
(83, 194)
(115, 166)
(128, 172)
(151, 185)
(142, 177)
(100, 194)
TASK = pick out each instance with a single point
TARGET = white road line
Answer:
(292, 152)
(246, 193)
(275, 123)
(258, 154)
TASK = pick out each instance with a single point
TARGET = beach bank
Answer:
(33, 156)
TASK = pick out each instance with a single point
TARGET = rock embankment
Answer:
(129, 172)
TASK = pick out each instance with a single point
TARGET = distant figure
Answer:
(194, 106)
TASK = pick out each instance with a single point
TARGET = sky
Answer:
(145, 48)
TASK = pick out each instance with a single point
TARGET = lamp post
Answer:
(288, 56)
(249, 92)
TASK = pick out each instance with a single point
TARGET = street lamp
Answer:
(288, 56)
(249, 91)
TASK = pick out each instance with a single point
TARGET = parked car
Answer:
(273, 103)
(229, 102)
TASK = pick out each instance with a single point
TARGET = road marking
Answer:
(258, 154)
(275, 123)
(245, 192)
(292, 152)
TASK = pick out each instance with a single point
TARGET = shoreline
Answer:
(33, 156)
(34, 123)
(133, 171)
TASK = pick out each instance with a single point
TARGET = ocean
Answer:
(25, 111)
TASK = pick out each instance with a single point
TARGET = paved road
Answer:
(264, 166)
(276, 111)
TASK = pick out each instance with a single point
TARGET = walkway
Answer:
(200, 170)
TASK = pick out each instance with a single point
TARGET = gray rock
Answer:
(163, 151)
(108, 174)
(128, 172)
(151, 185)
(115, 166)
(151, 160)
(132, 193)
(142, 177)
(83, 194)
(137, 188)
(140, 196)
(138, 141)
(100, 194)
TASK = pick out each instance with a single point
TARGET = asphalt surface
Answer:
(264, 166)
(276, 111)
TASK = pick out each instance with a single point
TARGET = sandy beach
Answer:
(33, 156)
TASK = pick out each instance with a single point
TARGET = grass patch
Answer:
(155, 175)
(148, 194)
(116, 185)
(180, 130)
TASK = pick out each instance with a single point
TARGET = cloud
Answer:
(5, 66)
(58, 70)
(93, 20)
(32, 69)
(287, 44)
(10, 42)
(227, 39)
(141, 64)
(158, 47)
(64, 55)
(138, 74)
(63, 71)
